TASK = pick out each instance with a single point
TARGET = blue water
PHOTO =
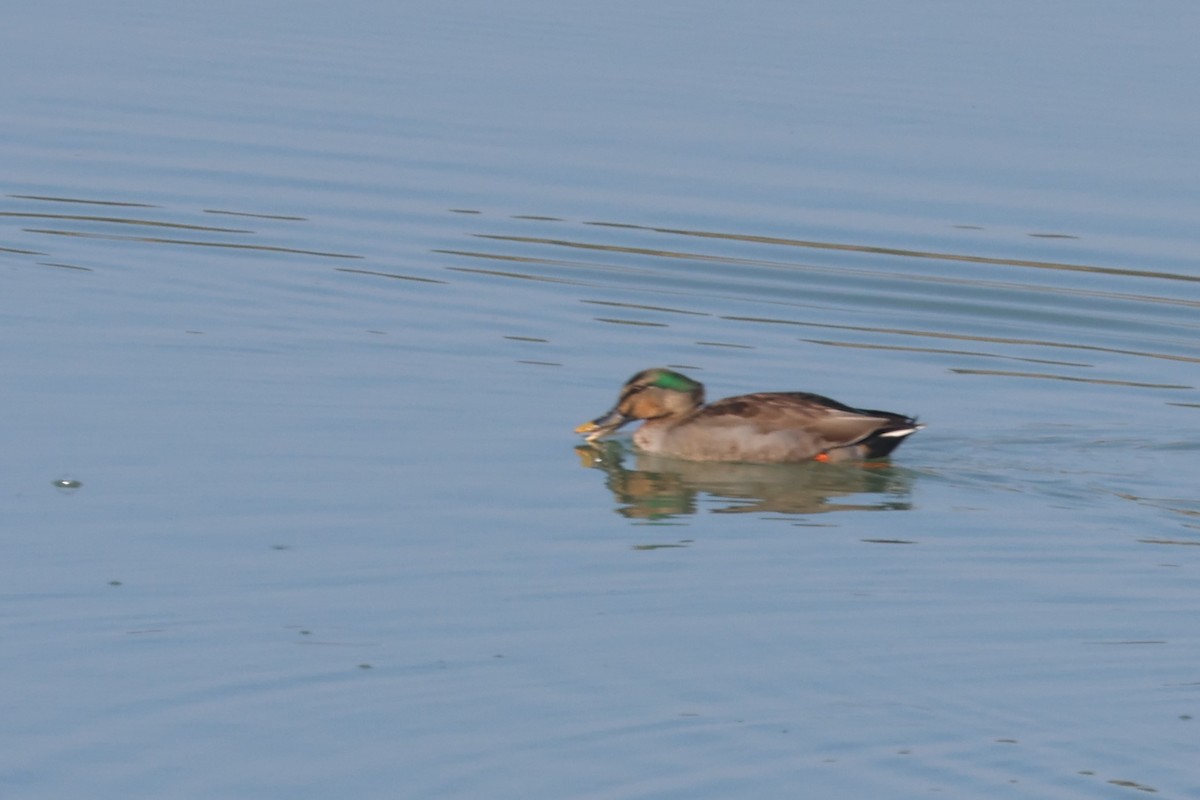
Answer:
(302, 304)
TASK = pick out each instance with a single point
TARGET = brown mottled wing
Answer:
(824, 421)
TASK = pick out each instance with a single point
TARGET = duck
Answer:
(763, 427)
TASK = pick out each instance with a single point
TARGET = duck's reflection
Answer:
(657, 487)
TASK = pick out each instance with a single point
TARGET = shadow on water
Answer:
(659, 488)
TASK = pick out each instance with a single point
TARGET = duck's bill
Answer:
(602, 426)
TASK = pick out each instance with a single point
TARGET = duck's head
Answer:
(651, 394)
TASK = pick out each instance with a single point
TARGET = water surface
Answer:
(302, 306)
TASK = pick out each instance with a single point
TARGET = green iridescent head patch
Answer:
(674, 381)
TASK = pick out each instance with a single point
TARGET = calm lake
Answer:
(301, 303)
